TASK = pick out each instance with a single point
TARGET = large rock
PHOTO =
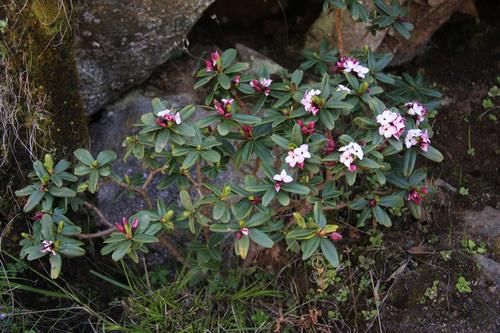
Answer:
(426, 15)
(119, 43)
(355, 35)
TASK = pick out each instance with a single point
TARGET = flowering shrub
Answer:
(311, 151)
(316, 156)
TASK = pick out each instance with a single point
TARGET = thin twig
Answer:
(150, 178)
(96, 210)
(172, 249)
(195, 184)
(136, 189)
(102, 233)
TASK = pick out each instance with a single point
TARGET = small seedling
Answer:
(463, 286)
(431, 293)
(473, 248)
(487, 103)
(446, 255)
(463, 191)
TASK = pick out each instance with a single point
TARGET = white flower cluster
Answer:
(391, 124)
(298, 155)
(349, 153)
(308, 102)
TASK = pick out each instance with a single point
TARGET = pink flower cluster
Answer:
(126, 228)
(224, 108)
(214, 63)
(349, 154)
(306, 129)
(350, 64)
(392, 124)
(418, 137)
(261, 85)
(336, 236)
(298, 155)
(311, 101)
(416, 195)
(167, 118)
(416, 110)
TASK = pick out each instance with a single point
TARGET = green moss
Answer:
(46, 41)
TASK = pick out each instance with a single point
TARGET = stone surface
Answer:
(119, 43)
(257, 60)
(490, 268)
(108, 132)
(485, 224)
(426, 16)
(354, 34)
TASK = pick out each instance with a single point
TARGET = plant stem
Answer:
(172, 249)
(150, 178)
(102, 233)
(136, 189)
(104, 220)
(338, 28)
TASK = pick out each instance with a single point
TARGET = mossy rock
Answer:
(42, 46)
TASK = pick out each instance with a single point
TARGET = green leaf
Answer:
(257, 219)
(326, 118)
(280, 141)
(40, 171)
(203, 81)
(409, 159)
(157, 105)
(297, 76)
(144, 238)
(56, 179)
(283, 198)
(319, 215)
(350, 177)
(241, 247)
(62, 192)
(309, 247)
(224, 81)
(219, 227)
(415, 210)
(105, 157)
(330, 252)
(224, 127)
(268, 196)
(238, 67)
(93, 179)
(228, 57)
(190, 159)
(392, 201)
(47, 227)
(162, 140)
(295, 188)
(218, 210)
(82, 170)
(432, 154)
(33, 200)
(84, 156)
(186, 200)
(55, 266)
(246, 119)
(381, 216)
(260, 238)
(296, 135)
(301, 234)
(368, 163)
(121, 250)
(26, 191)
(210, 156)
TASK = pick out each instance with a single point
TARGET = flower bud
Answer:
(299, 220)
(49, 163)
(60, 227)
